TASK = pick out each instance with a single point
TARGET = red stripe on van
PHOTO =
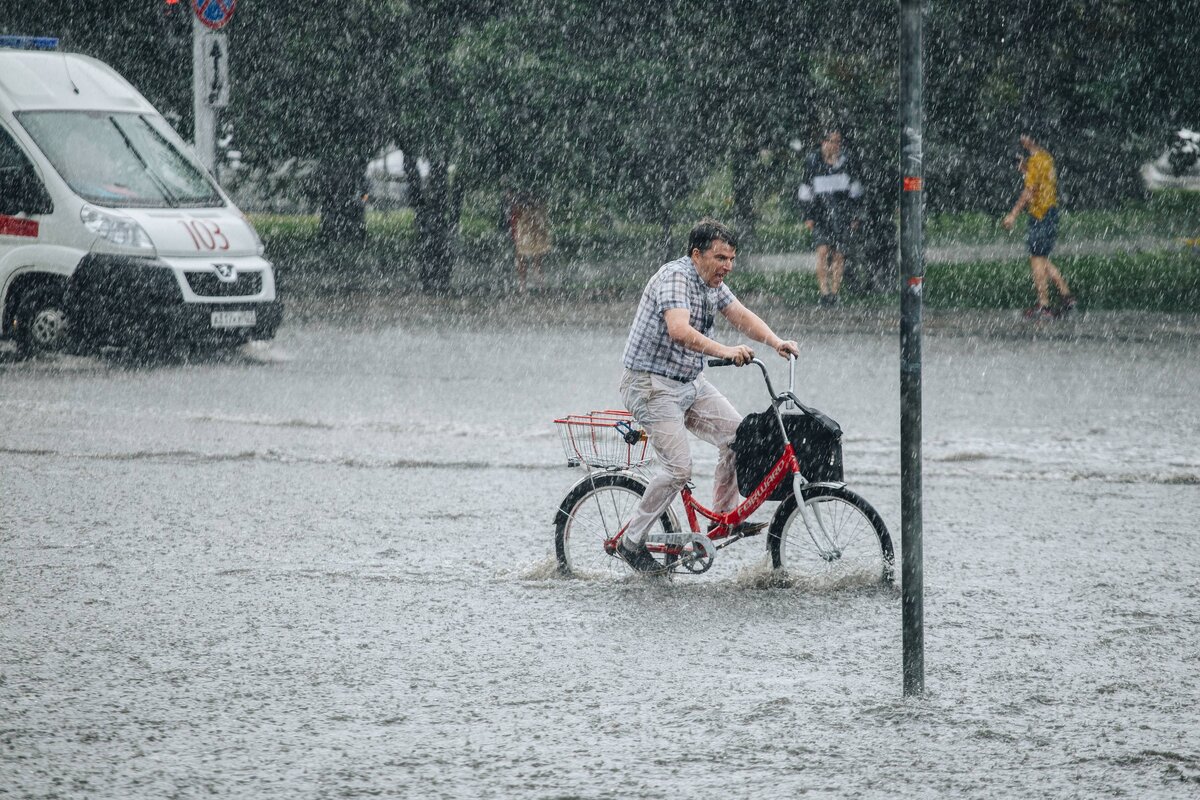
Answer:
(18, 226)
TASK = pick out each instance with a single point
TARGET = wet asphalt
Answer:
(323, 568)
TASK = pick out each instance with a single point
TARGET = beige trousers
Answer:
(668, 409)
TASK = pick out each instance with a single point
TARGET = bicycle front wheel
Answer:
(844, 539)
(591, 514)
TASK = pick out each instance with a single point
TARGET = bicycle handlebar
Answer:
(729, 362)
(789, 398)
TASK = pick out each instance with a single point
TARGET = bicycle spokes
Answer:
(819, 524)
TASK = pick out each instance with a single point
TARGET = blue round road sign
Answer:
(214, 13)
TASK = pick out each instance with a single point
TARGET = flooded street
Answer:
(324, 569)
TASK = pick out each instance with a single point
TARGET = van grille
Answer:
(207, 284)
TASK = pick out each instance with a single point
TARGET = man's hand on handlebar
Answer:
(740, 355)
(788, 348)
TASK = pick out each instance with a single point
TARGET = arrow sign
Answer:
(215, 52)
(215, 14)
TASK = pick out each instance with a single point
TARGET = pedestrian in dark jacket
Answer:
(830, 197)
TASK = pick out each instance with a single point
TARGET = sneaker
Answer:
(827, 300)
(639, 560)
(1066, 305)
(1038, 312)
(742, 529)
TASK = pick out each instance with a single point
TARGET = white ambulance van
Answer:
(111, 232)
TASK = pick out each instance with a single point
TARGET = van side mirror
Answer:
(21, 191)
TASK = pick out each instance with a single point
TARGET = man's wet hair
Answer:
(707, 231)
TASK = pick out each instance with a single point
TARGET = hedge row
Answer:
(1166, 280)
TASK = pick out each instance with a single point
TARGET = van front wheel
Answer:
(41, 322)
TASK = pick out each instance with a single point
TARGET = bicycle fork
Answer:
(814, 523)
(814, 520)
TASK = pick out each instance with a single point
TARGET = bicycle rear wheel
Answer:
(847, 542)
(591, 514)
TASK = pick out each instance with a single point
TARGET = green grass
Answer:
(303, 227)
(1166, 215)
(1151, 281)
(1166, 282)
(1159, 281)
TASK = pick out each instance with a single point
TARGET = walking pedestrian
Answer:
(1040, 198)
(830, 196)
(531, 238)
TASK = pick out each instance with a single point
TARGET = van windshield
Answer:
(119, 159)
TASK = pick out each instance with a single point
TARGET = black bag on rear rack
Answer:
(816, 438)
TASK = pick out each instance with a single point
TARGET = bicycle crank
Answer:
(697, 554)
(693, 552)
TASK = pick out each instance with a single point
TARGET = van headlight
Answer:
(259, 247)
(117, 229)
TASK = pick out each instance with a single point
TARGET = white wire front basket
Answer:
(602, 439)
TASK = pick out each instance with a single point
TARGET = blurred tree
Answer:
(424, 115)
(650, 129)
(624, 107)
(311, 84)
(751, 64)
(787, 75)
(773, 73)
(1105, 79)
(149, 43)
(587, 102)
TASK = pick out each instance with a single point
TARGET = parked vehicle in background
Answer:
(387, 179)
(110, 231)
(1179, 165)
(387, 183)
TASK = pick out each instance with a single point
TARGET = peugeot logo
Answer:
(226, 273)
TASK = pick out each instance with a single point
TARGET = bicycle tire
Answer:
(591, 513)
(854, 543)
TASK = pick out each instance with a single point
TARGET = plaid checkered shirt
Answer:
(649, 347)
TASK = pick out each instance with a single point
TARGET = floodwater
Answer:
(324, 569)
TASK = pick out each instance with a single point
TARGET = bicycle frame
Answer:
(785, 467)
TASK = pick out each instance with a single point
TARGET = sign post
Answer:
(210, 74)
(912, 272)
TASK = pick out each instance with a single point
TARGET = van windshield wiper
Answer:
(159, 183)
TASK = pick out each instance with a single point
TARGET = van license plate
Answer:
(233, 319)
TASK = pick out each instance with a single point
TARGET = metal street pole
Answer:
(204, 116)
(912, 271)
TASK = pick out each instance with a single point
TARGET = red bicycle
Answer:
(831, 532)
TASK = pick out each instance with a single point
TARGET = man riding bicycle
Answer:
(664, 386)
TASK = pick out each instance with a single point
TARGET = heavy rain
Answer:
(320, 323)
